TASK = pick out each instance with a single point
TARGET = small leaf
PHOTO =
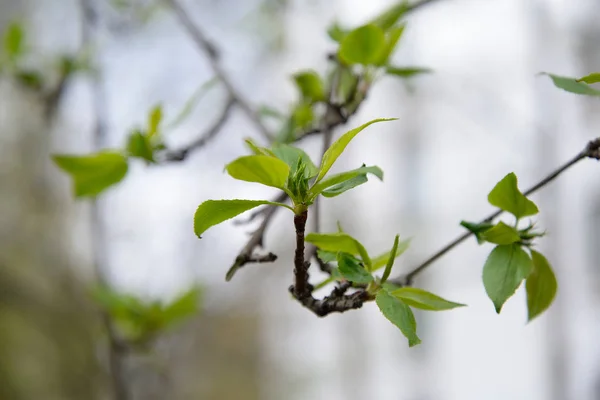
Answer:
(189, 105)
(270, 112)
(94, 173)
(390, 16)
(257, 150)
(339, 242)
(138, 145)
(503, 272)
(398, 314)
(303, 116)
(339, 183)
(352, 269)
(381, 260)
(154, 119)
(391, 41)
(290, 155)
(213, 212)
(31, 79)
(423, 299)
(326, 256)
(406, 72)
(269, 171)
(310, 85)
(477, 229)
(14, 41)
(363, 45)
(506, 196)
(390, 261)
(347, 85)
(571, 85)
(336, 32)
(591, 78)
(501, 234)
(184, 306)
(541, 286)
(338, 147)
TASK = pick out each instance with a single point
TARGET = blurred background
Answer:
(483, 113)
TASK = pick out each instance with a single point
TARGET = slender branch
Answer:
(592, 150)
(212, 53)
(204, 138)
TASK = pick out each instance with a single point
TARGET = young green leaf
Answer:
(406, 72)
(390, 16)
(14, 41)
(193, 101)
(501, 234)
(381, 260)
(184, 306)
(571, 85)
(336, 32)
(339, 146)
(591, 78)
(339, 242)
(154, 119)
(138, 145)
(213, 212)
(326, 256)
(339, 183)
(363, 45)
(290, 155)
(541, 286)
(506, 196)
(257, 150)
(352, 269)
(310, 85)
(390, 261)
(391, 40)
(269, 171)
(398, 314)
(503, 272)
(477, 229)
(94, 173)
(30, 79)
(302, 115)
(423, 299)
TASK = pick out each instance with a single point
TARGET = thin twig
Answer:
(592, 150)
(212, 53)
(204, 138)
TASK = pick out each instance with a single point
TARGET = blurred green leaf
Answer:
(337, 184)
(266, 111)
(213, 212)
(363, 45)
(391, 40)
(266, 170)
(347, 85)
(182, 307)
(398, 314)
(381, 260)
(501, 234)
(326, 256)
(339, 242)
(503, 272)
(390, 261)
(30, 79)
(571, 85)
(14, 41)
(541, 286)
(388, 18)
(423, 299)
(193, 101)
(338, 147)
(336, 32)
(303, 116)
(406, 72)
(93, 173)
(591, 78)
(506, 196)
(352, 269)
(154, 118)
(310, 85)
(138, 145)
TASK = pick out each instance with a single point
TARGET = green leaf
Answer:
(336, 32)
(310, 85)
(154, 119)
(390, 16)
(265, 111)
(184, 306)
(398, 314)
(213, 212)
(326, 256)
(541, 286)
(339, 242)
(94, 173)
(390, 262)
(352, 269)
(14, 41)
(303, 117)
(269, 171)
(138, 145)
(347, 85)
(477, 229)
(501, 234)
(191, 103)
(406, 72)
(391, 41)
(591, 78)
(571, 85)
(363, 45)
(339, 183)
(339, 146)
(290, 155)
(423, 299)
(31, 79)
(257, 150)
(506, 196)
(381, 260)
(503, 272)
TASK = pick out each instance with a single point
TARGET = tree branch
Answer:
(204, 138)
(212, 53)
(592, 150)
